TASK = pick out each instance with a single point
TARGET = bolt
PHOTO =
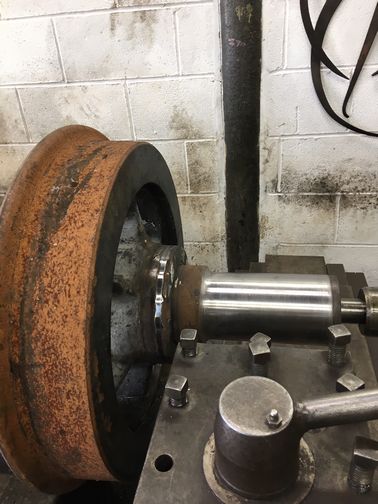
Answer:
(259, 348)
(188, 342)
(349, 382)
(273, 418)
(177, 391)
(338, 338)
(363, 464)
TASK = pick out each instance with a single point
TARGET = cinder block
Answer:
(11, 126)
(11, 158)
(118, 44)
(363, 103)
(354, 258)
(312, 118)
(101, 106)
(329, 164)
(344, 38)
(212, 255)
(290, 104)
(203, 166)
(174, 109)
(278, 105)
(269, 164)
(127, 3)
(298, 48)
(358, 220)
(273, 29)
(197, 36)
(202, 218)
(29, 52)
(296, 218)
(23, 8)
(174, 155)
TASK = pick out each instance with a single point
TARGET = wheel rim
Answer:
(59, 232)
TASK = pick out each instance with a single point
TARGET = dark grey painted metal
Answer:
(183, 433)
(241, 57)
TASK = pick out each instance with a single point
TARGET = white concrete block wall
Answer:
(319, 181)
(134, 69)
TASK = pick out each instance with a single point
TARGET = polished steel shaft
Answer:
(233, 304)
(353, 310)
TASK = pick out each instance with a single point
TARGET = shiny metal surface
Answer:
(278, 304)
(252, 457)
(353, 310)
(369, 296)
(338, 409)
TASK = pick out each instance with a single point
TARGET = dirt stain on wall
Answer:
(138, 27)
(336, 181)
(360, 202)
(181, 124)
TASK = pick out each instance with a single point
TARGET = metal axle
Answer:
(236, 305)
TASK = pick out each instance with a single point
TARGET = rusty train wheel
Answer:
(61, 222)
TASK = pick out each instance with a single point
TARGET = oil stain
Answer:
(265, 227)
(339, 181)
(138, 27)
(202, 166)
(361, 202)
(181, 124)
(3, 126)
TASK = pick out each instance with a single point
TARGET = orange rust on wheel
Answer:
(59, 418)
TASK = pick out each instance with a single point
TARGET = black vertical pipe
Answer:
(241, 53)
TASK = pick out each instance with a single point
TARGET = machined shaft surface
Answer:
(277, 304)
(353, 310)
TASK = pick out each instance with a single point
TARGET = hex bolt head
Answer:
(363, 464)
(188, 342)
(273, 419)
(349, 382)
(259, 349)
(176, 389)
(338, 338)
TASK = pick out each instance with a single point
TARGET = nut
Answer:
(177, 390)
(349, 382)
(273, 419)
(188, 342)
